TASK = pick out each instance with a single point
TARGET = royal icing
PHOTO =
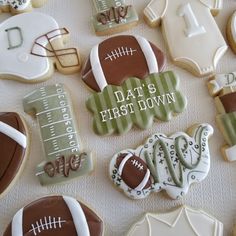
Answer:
(32, 46)
(113, 16)
(191, 24)
(64, 157)
(119, 58)
(221, 81)
(58, 215)
(232, 31)
(183, 221)
(174, 162)
(18, 5)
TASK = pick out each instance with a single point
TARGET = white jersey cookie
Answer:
(31, 44)
(193, 37)
(184, 221)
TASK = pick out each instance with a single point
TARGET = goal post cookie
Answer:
(32, 46)
(170, 163)
(20, 6)
(181, 221)
(65, 159)
(14, 143)
(187, 27)
(55, 215)
(113, 16)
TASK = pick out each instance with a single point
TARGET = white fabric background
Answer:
(216, 195)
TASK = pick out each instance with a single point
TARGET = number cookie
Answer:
(113, 16)
(32, 44)
(163, 163)
(182, 221)
(19, 6)
(189, 26)
(55, 215)
(14, 149)
(64, 157)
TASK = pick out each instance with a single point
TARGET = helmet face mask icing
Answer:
(31, 47)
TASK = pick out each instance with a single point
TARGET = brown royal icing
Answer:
(229, 102)
(54, 206)
(12, 154)
(137, 67)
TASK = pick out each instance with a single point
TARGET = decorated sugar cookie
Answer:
(19, 6)
(231, 32)
(113, 16)
(170, 163)
(55, 215)
(14, 149)
(64, 156)
(32, 45)
(192, 35)
(184, 221)
(223, 88)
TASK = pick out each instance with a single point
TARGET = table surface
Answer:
(216, 194)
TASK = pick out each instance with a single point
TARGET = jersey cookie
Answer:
(14, 149)
(137, 102)
(55, 215)
(19, 6)
(163, 163)
(113, 16)
(64, 157)
(32, 45)
(182, 221)
(191, 24)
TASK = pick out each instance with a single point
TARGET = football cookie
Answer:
(231, 32)
(113, 16)
(184, 221)
(163, 163)
(14, 149)
(118, 58)
(19, 6)
(55, 215)
(64, 156)
(32, 45)
(187, 27)
(137, 102)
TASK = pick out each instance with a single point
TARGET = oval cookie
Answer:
(118, 58)
(55, 215)
(13, 146)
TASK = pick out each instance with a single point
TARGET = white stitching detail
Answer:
(137, 164)
(46, 224)
(120, 52)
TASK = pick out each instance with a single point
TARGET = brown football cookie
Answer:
(55, 215)
(14, 147)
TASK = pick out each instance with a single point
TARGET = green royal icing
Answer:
(137, 102)
(59, 135)
(110, 13)
(227, 122)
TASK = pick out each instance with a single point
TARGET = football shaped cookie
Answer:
(19, 6)
(119, 58)
(55, 215)
(14, 147)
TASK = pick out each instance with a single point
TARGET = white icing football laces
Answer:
(47, 223)
(143, 183)
(13, 134)
(120, 52)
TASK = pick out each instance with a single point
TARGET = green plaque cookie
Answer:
(137, 102)
(64, 156)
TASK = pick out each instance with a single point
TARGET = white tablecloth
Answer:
(216, 194)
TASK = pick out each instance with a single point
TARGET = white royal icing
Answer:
(230, 153)
(22, 31)
(19, 5)
(17, 224)
(187, 29)
(13, 134)
(183, 221)
(233, 26)
(78, 216)
(149, 54)
(174, 162)
(122, 164)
